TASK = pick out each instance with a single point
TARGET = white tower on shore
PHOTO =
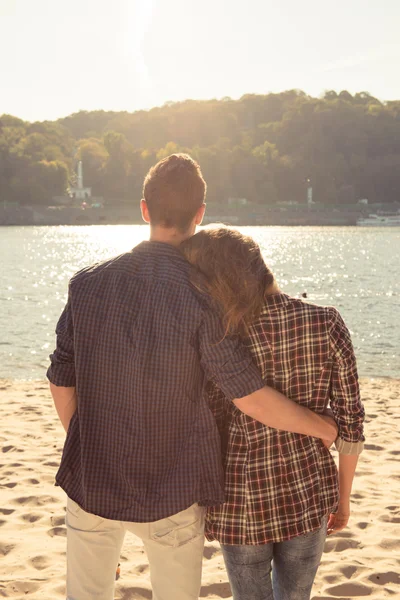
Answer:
(79, 192)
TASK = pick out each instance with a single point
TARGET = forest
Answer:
(265, 148)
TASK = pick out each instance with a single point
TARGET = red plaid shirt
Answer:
(280, 485)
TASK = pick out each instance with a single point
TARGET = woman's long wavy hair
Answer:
(233, 271)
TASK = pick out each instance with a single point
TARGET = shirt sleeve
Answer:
(225, 360)
(345, 398)
(217, 404)
(62, 368)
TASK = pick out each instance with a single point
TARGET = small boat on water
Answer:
(379, 221)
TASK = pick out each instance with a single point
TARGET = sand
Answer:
(363, 560)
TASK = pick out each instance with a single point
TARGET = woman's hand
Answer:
(338, 520)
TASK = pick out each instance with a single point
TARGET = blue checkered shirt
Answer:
(139, 343)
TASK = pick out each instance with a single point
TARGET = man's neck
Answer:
(169, 236)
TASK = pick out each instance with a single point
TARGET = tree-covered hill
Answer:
(263, 148)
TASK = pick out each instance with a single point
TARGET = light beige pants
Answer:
(174, 548)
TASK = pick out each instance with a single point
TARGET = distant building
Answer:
(79, 192)
(310, 200)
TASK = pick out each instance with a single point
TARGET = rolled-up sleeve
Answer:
(225, 360)
(62, 368)
(345, 398)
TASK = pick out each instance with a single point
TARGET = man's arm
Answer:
(272, 408)
(65, 403)
(226, 361)
(61, 372)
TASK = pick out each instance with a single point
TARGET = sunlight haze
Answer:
(59, 57)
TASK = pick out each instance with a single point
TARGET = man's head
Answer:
(173, 194)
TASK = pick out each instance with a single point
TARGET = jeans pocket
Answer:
(316, 533)
(79, 519)
(179, 529)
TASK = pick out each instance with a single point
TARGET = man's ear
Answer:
(200, 214)
(145, 211)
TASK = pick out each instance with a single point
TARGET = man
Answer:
(136, 344)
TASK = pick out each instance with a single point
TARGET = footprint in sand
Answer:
(140, 569)
(373, 447)
(6, 511)
(61, 531)
(363, 525)
(220, 590)
(209, 552)
(344, 534)
(10, 449)
(350, 590)
(40, 562)
(340, 545)
(35, 500)
(357, 496)
(31, 517)
(60, 590)
(32, 481)
(17, 588)
(6, 548)
(385, 578)
(327, 598)
(349, 571)
(57, 521)
(389, 544)
(137, 593)
(389, 519)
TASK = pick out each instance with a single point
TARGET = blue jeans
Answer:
(293, 563)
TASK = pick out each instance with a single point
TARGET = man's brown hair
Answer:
(174, 190)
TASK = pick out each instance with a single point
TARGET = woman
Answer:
(282, 489)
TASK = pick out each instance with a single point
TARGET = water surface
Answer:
(355, 269)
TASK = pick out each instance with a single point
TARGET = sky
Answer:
(61, 56)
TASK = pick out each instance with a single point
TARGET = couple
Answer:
(179, 351)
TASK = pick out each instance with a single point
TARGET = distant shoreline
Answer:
(252, 215)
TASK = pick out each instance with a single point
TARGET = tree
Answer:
(261, 147)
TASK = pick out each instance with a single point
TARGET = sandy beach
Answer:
(363, 560)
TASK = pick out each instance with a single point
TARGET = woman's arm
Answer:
(349, 414)
(347, 469)
(345, 400)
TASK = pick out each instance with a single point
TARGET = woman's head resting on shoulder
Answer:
(235, 274)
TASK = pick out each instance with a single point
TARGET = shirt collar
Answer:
(274, 302)
(158, 248)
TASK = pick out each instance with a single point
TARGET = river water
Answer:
(356, 269)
